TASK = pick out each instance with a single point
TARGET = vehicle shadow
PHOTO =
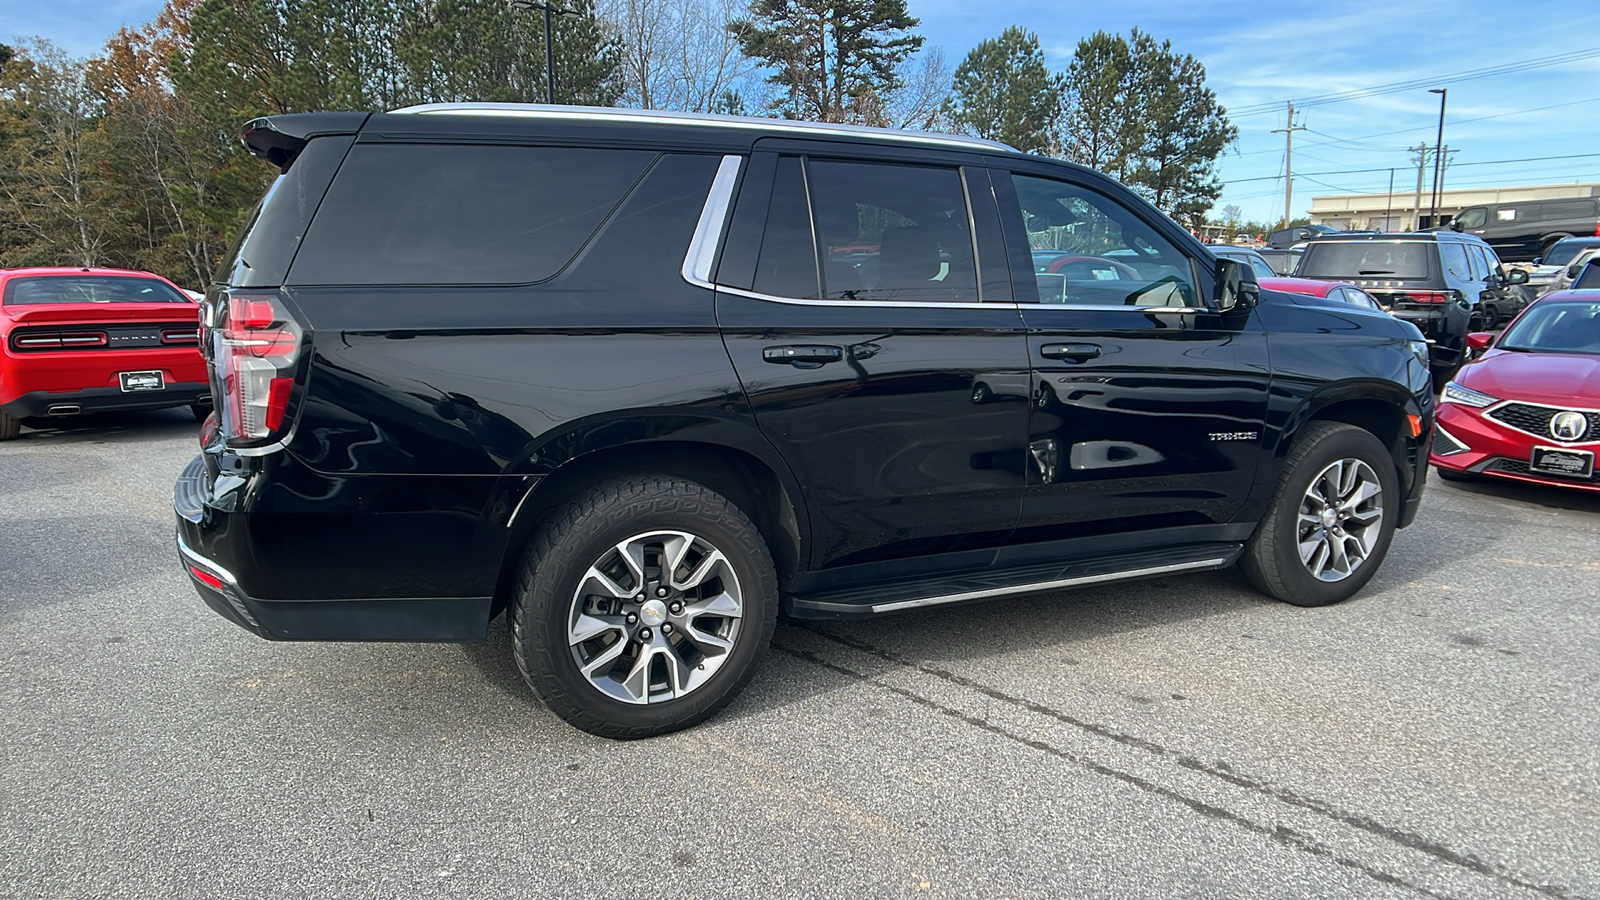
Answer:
(119, 427)
(1546, 496)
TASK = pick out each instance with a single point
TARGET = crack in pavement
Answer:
(1220, 771)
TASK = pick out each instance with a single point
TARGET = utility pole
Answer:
(1288, 163)
(1422, 166)
(1438, 157)
(1388, 205)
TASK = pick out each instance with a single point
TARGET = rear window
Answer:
(1344, 260)
(1564, 252)
(462, 214)
(36, 289)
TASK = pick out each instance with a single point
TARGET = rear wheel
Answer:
(10, 426)
(643, 607)
(1331, 520)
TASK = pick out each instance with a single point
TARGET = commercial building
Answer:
(1398, 212)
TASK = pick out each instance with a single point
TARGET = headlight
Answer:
(1419, 349)
(1455, 393)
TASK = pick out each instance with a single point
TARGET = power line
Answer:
(1397, 86)
(1487, 162)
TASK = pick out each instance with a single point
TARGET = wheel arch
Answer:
(1381, 408)
(747, 472)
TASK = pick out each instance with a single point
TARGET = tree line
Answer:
(130, 157)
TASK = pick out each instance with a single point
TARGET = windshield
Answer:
(1344, 260)
(89, 289)
(1555, 328)
(1564, 252)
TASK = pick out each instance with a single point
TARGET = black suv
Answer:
(645, 381)
(1446, 284)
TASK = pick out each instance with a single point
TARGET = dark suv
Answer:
(645, 381)
(1446, 284)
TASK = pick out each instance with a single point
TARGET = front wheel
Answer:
(1330, 522)
(643, 607)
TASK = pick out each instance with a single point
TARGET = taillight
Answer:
(50, 340)
(180, 336)
(256, 348)
(1425, 297)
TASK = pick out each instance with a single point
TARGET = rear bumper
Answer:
(213, 541)
(93, 400)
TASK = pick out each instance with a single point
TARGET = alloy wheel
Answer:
(655, 617)
(1341, 517)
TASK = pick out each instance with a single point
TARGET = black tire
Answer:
(581, 535)
(981, 393)
(10, 426)
(1491, 315)
(1272, 561)
(1453, 475)
(200, 411)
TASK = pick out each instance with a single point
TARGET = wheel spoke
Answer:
(637, 682)
(709, 644)
(723, 604)
(701, 572)
(588, 627)
(603, 659)
(1340, 519)
(598, 582)
(1308, 548)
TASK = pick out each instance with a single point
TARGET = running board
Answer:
(947, 589)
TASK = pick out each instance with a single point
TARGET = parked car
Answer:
(1288, 237)
(1528, 229)
(1249, 257)
(1589, 278)
(1569, 273)
(1546, 269)
(1446, 284)
(642, 380)
(1283, 261)
(76, 340)
(1327, 290)
(1529, 408)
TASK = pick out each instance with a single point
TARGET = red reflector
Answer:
(206, 578)
(278, 401)
(1427, 296)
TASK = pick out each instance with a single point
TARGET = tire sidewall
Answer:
(1346, 443)
(541, 616)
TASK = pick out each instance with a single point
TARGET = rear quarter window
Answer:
(462, 214)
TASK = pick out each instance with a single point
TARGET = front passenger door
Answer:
(1149, 406)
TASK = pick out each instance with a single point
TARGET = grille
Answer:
(1444, 444)
(1536, 420)
(1520, 467)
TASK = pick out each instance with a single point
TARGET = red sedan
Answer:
(93, 340)
(1341, 291)
(1529, 408)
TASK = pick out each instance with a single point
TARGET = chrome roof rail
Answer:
(665, 117)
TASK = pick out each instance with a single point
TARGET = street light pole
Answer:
(1438, 157)
(549, 41)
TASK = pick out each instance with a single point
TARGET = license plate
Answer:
(1561, 461)
(141, 381)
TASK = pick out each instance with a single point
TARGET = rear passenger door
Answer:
(867, 308)
(1149, 406)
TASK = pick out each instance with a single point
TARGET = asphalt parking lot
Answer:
(1185, 737)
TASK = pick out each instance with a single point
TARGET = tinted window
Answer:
(89, 289)
(1472, 218)
(1108, 255)
(264, 247)
(787, 265)
(1588, 278)
(461, 214)
(1565, 251)
(1335, 260)
(1566, 209)
(1478, 263)
(890, 232)
(1455, 260)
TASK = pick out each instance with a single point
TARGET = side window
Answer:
(461, 213)
(1455, 260)
(1091, 250)
(1478, 263)
(892, 232)
(787, 264)
(1260, 267)
(1472, 218)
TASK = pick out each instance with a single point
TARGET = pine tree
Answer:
(831, 60)
(1004, 91)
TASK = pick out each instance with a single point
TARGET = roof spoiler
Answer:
(279, 139)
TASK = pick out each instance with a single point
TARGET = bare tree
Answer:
(678, 54)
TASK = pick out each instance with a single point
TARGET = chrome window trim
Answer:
(663, 117)
(713, 219)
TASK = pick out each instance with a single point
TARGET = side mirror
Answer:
(1517, 276)
(1455, 226)
(1479, 341)
(1537, 260)
(1236, 285)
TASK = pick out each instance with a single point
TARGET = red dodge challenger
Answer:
(92, 340)
(1529, 408)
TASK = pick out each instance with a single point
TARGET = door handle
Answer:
(1070, 352)
(803, 356)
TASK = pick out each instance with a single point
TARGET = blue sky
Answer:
(1257, 54)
